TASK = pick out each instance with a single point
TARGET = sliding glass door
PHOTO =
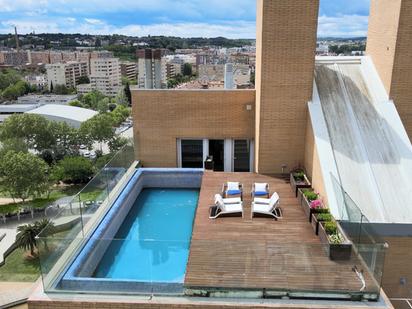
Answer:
(192, 153)
(241, 155)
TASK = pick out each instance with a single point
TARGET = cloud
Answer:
(343, 26)
(93, 21)
(186, 18)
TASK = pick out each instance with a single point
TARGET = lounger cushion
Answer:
(233, 200)
(260, 193)
(232, 186)
(233, 207)
(262, 208)
(259, 200)
(260, 187)
(233, 192)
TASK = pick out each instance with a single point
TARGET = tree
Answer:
(51, 87)
(116, 143)
(76, 103)
(91, 99)
(13, 144)
(83, 80)
(61, 89)
(23, 175)
(26, 234)
(12, 92)
(121, 98)
(44, 228)
(26, 237)
(128, 93)
(187, 69)
(33, 129)
(98, 128)
(119, 114)
(103, 105)
(74, 170)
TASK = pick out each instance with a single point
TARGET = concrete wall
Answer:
(312, 163)
(163, 116)
(285, 57)
(390, 44)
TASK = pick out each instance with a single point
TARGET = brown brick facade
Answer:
(285, 57)
(163, 116)
(390, 44)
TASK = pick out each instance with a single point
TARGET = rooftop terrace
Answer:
(280, 256)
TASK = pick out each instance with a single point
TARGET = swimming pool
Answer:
(153, 242)
(142, 242)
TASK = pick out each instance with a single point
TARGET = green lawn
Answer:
(18, 268)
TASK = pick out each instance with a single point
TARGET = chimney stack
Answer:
(16, 38)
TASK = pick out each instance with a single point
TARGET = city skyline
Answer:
(166, 17)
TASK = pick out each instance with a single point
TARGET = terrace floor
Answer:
(263, 253)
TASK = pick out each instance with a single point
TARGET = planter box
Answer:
(296, 185)
(306, 207)
(315, 222)
(341, 251)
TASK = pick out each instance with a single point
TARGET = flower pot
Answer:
(295, 184)
(340, 251)
(315, 222)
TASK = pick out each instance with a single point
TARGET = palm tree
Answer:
(26, 237)
(44, 228)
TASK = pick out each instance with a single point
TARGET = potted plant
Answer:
(298, 180)
(323, 216)
(337, 246)
(310, 202)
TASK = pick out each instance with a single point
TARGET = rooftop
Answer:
(262, 253)
(63, 111)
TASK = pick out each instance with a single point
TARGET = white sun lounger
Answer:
(267, 206)
(227, 206)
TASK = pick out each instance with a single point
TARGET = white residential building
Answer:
(105, 75)
(67, 74)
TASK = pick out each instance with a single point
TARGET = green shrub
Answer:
(330, 227)
(324, 217)
(322, 210)
(299, 175)
(310, 195)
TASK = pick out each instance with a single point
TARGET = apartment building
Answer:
(151, 69)
(67, 74)
(38, 57)
(105, 75)
(14, 58)
(129, 69)
(344, 120)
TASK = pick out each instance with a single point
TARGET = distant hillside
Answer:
(61, 40)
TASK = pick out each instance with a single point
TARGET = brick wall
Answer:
(163, 116)
(390, 44)
(285, 57)
(398, 265)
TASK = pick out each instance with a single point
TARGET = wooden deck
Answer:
(282, 255)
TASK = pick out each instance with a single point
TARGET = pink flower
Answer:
(316, 204)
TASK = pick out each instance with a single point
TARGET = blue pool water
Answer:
(152, 244)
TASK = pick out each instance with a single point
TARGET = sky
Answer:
(184, 18)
